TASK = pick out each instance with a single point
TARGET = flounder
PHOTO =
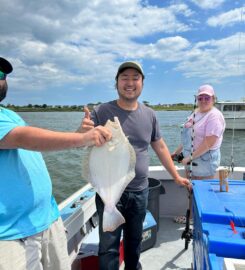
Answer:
(110, 168)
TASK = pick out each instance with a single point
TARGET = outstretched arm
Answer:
(164, 156)
(38, 139)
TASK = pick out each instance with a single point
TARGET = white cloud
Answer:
(77, 37)
(120, 23)
(228, 18)
(208, 4)
(215, 59)
(167, 49)
(181, 9)
(61, 43)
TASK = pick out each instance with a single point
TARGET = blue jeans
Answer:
(132, 205)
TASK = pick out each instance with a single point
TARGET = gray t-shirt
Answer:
(141, 127)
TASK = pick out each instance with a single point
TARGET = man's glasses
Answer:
(205, 98)
(2, 75)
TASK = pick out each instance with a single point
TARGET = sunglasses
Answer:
(2, 75)
(205, 98)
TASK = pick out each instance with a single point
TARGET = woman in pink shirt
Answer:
(205, 127)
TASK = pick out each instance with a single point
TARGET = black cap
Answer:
(5, 66)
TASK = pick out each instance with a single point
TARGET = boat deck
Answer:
(168, 252)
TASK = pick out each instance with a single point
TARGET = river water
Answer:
(65, 166)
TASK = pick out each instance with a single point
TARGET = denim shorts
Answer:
(206, 163)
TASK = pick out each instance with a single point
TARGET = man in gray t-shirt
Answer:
(141, 128)
(140, 125)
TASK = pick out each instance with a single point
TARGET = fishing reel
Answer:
(187, 234)
(178, 157)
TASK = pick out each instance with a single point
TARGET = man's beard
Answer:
(3, 91)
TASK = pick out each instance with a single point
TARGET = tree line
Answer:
(46, 107)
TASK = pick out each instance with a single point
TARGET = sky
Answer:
(66, 52)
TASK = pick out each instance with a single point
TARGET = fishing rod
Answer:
(187, 234)
(232, 165)
(240, 73)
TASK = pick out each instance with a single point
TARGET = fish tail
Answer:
(112, 219)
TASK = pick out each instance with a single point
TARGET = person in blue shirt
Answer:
(32, 235)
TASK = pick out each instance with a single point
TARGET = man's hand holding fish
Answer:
(95, 135)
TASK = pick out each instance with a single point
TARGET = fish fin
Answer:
(118, 125)
(112, 219)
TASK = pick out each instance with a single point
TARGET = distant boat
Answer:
(234, 113)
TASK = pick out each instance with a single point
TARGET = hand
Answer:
(97, 136)
(186, 160)
(173, 155)
(87, 124)
(183, 182)
(177, 157)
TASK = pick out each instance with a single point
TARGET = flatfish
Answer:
(110, 168)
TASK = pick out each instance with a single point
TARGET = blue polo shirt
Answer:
(27, 206)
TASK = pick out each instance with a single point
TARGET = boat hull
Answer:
(79, 212)
(235, 123)
(234, 113)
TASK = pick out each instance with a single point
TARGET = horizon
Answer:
(99, 102)
(89, 104)
(67, 52)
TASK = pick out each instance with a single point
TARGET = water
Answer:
(65, 166)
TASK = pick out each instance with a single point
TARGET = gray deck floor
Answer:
(168, 252)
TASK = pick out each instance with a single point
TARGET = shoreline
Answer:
(74, 108)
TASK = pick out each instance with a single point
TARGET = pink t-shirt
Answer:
(207, 124)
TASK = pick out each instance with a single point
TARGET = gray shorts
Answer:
(44, 251)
